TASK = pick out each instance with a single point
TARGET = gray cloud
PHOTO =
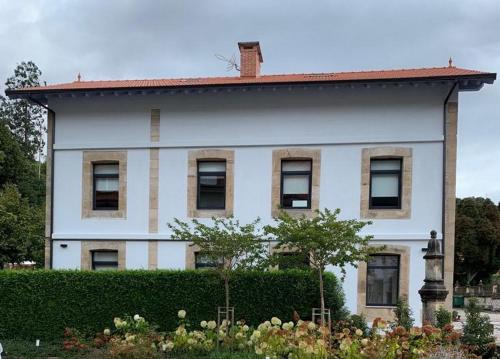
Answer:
(117, 39)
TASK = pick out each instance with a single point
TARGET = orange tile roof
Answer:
(383, 75)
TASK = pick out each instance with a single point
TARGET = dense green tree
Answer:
(325, 238)
(24, 119)
(477, 239)
(16, 168)
(21, 228)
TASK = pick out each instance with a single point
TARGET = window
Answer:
(296, 184)
(382, 280)
(106, 185)
(385, 183)
(211, 185)
(202, 261)
(104, 260)
(291, 260)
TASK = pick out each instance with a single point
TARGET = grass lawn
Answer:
(22, 349)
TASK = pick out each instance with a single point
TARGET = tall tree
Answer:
(25, 120)
(477, 239)
(16, 168)
(326, 239)
(21, 228)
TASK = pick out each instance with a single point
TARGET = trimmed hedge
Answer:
(40, 304)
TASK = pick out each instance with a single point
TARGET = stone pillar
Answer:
(433, 292)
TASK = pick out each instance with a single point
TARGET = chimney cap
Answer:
(251, 44)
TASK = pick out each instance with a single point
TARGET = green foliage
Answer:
(404, 314)
(238, 247)
(443, 317)
(25, 120)
(21, 228)
(42, 303)
(16, 168)
(478, 331)
(477, 239)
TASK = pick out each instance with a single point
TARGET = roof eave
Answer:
(473, 82)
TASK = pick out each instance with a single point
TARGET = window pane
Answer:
(109, 256)
(386, 261)
(218, 166)
(382, 286)
(293, 184)
(106, 200)
(105, 266)
(212, 192)
(106, 184)
(385, 185)
(296, 166)
(204, 261)
(293, 261)
(106, 169)
(385, 165)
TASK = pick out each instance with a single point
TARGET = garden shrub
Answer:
(41, 304)
(443, 317)
(403, 314)
(478, 331)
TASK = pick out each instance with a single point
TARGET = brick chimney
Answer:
(250, 59)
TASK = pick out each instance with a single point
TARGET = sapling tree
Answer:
(326, 239)
(224, 240)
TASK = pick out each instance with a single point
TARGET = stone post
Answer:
(433, 292)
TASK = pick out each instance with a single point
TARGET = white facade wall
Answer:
(340, 122)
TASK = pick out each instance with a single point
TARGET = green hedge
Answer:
(40, 304)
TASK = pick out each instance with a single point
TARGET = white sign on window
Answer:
(299, 204)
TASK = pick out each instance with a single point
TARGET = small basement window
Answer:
(106, 186)
(296, 183)
(202, 261)
(104, 260)
(211, 185)
(385, 183)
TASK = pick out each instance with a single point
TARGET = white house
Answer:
(126, 157)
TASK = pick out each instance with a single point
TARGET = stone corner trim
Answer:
(386, 152)
(209, 154)
(91, 157)
(155, 125)
(385, 313)
(89, 246)
(299, 154)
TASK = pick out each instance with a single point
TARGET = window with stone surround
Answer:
(295, 181)
(386, 183)
(104, 184)
(210, 183)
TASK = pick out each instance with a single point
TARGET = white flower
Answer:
(129, 338)
(239, 335)
(286, 326)
(255, 335)
(107, 331)
(258, 351)
(311, 326)
(181, 314)
(359, 332)
(275, 321)
(137, 317)
(245, 328)
(267, 323)
(212, 325)
(191, 341)
(204, 324)
(167, 346)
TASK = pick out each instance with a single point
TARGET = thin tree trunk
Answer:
(226, 287)
(322, 295)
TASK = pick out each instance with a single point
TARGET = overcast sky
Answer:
(125, 39)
